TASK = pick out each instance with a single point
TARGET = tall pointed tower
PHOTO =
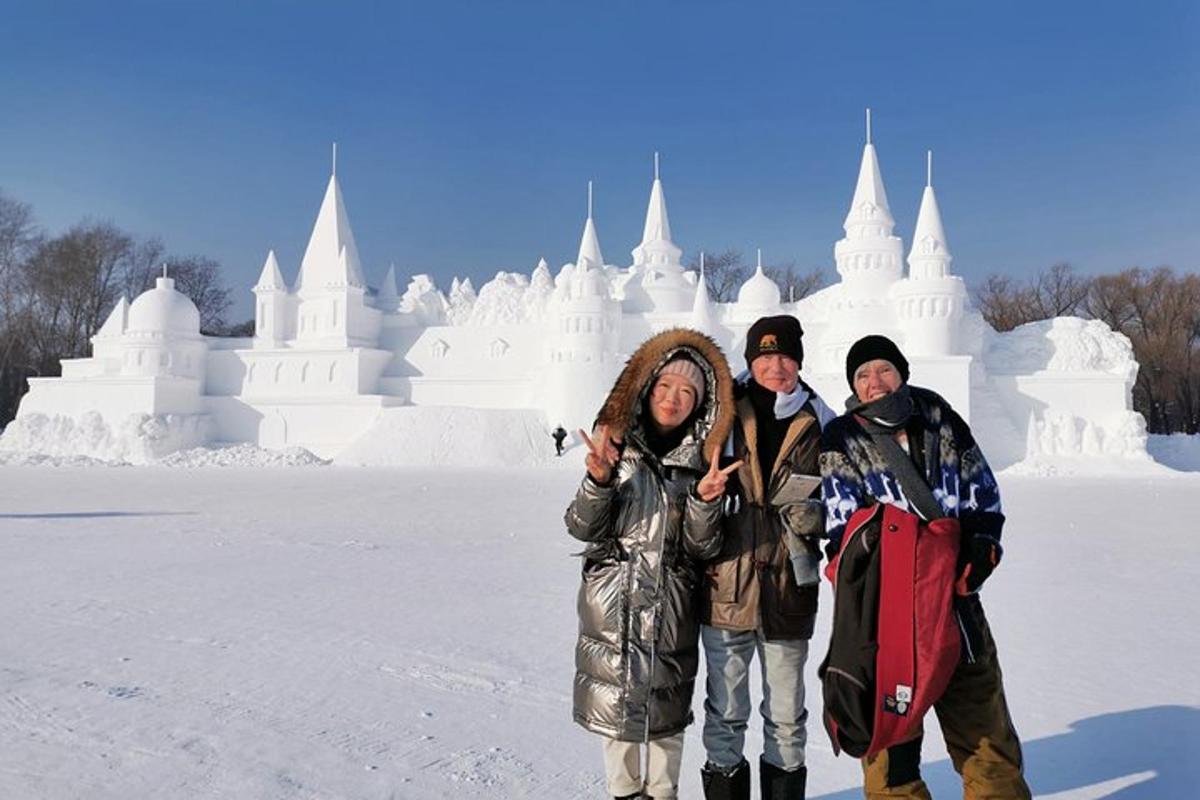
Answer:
(589, 243)
(331, 293)
(702, 318)
(656, 263)
(869, 258)
(931, 303)
(582, 337)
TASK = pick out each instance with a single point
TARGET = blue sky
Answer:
(467, 131)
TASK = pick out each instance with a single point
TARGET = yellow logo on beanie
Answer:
(768, 342)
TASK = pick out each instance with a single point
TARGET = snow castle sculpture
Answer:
(331, 356)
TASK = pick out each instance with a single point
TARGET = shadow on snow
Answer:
(1156, 747)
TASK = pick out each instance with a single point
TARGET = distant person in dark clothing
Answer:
(560, 435)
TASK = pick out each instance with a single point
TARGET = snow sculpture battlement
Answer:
(330, 354)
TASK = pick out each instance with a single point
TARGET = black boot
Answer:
(725, 784)
(778, 784)
(634, 796)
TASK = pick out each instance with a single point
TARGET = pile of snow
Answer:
(423, 299)
(1177, 451)
(1063, 344)
(501, 301)
(15, 458)
(423, 436)
(242, 455)
(140, 439)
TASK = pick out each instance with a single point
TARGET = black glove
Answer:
(977, 559)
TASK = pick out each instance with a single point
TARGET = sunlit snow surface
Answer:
(336, 632)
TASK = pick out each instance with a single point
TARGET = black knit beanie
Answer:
(870, 348)
(769, 335)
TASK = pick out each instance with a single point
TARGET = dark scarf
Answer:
(770, 431)
(883, 418)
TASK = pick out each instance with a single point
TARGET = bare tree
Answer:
(723, 272)
(793, 284)
(196, 276)
(19, 237)
(1056, 292)
(1059, 292)
(1160, 313)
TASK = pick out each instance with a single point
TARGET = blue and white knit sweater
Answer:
(854, 473)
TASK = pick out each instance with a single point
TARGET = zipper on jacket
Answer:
(662, 553)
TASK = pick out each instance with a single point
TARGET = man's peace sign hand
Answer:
(602, 454)
(712, 485)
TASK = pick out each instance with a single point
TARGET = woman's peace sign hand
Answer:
(602, 454)
(712, 485)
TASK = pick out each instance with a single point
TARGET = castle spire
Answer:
(589, 243)
(870, 204)
(656, 247)
(270, 279)
(702, 316)
(331, 258)
(930, 255)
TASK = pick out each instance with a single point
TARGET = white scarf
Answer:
(788, 404)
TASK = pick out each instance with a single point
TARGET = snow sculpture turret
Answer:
(271, 305)
(589, 243)
(758, 297)
(869, 259)
(656, 263)
(931, 303)
(702, 318)
(581, 334)
(388, 298)
(330, 290)
(162, 336)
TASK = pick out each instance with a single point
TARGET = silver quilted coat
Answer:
(646, 533)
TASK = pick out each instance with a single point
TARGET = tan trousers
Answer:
(622, 767)
(979, 734)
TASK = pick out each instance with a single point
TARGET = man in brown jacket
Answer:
(761, 591)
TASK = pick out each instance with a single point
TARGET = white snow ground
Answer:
(335, 632)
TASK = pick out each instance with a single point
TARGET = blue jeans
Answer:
(727, 704)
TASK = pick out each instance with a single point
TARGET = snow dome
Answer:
(164, 310)
(758, 295)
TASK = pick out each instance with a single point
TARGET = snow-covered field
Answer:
(336, 632)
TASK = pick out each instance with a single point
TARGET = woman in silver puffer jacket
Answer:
(649, 510)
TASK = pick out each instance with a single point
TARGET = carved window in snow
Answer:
(304, 373)
(164, 359)
(332, 371)
(498, 348)
(250, 373)
(278, 371)
(440, 348)
(335, 313)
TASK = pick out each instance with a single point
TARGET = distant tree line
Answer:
(1158, 309)
(56, 291)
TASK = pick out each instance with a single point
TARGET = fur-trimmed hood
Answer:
(715, 420)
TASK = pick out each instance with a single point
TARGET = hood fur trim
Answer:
(621, 408)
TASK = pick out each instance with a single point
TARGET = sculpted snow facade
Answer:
(332, 357)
